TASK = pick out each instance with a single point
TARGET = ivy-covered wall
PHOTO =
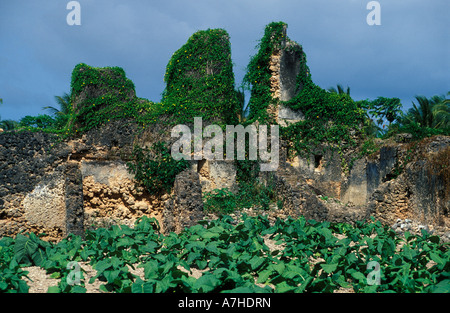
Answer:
(99, 95)
(329, 117)
(200, 80)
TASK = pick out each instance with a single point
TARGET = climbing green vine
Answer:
(100, 95)
(257, 78)
(329, 117)
(200, 80)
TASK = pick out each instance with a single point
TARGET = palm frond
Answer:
(8, 124)
(339, 90)
(52, 110)
(64, 103)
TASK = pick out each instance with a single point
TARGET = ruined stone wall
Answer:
(185, 206)
(57, 188)
(400, 181)
(26, 176)
(421, 191)
(285, 66)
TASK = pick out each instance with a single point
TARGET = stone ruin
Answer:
(66, 187)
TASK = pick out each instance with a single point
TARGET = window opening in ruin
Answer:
(318, 162)
(200, 165)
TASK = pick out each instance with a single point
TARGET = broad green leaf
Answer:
(116, 262)
(409, 253)
(304, 284)
(111, 275)
(351, 258)
(212, 247)
(256, 262)
(370, 289)
(55, 275)
(359, 276)
(206, 283)
(125, 242)
(149, 247)
(141, 287)
(342, 281)
(38, 257)
(105, 288)
(23, 249)
(278, 267)
(198, 245)
(329, 268)
(284, 287)
(442, 287)
(192, 257)
(264, 275)
(436, 258)
(53, 289)
(201, 264)
(22, 287)
(103, 265)
(210, 235)
(78, 289)
(163, 285)
(150, 269)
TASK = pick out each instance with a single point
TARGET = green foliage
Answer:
(42, 121)
(329, 116)
(65, 105)
(429, 111)
(220, 200)
(8, 125)
(339, 90)
(308, 256)
(429, 117)
(99, 95)
(368, 147)
(200, 80)
(30, 250)
(384, 108)
(154, 168)
(112, 80)
(251, 192)
(257, 78)
(10, 272)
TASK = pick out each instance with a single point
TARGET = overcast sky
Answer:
(407, 55)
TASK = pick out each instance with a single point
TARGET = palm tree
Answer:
(441, 111)
(339, 90)
(8, 124)
(431, 113)
(65, 105)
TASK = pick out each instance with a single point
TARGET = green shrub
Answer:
(42, 121)
(220, 201)
(154, 168)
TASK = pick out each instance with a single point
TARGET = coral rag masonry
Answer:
(213, 149)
